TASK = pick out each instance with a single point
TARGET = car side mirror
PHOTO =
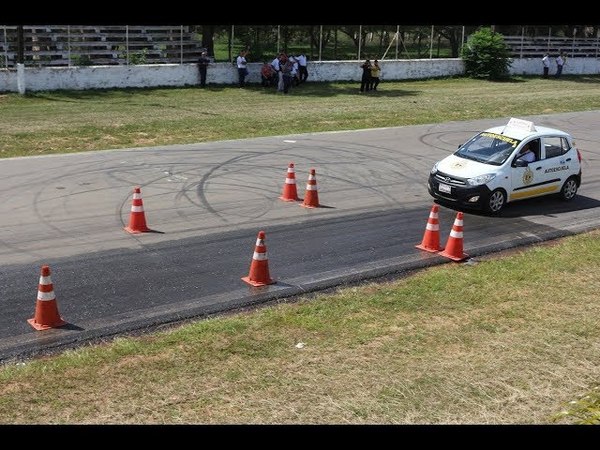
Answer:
(459, 146)
(520, 163)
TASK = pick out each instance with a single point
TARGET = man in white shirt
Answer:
(526, 154)
(241, 66)
(560, 62)
(546, 63)
(302, 69)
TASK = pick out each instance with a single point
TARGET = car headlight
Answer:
(434, 168)
(481, 179)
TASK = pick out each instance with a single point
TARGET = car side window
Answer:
(535, 148)
(555, 146)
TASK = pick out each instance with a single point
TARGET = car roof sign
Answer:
(521, 124)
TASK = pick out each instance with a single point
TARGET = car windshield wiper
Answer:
(468, 156)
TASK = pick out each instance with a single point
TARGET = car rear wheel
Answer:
(569, 189)
(496, 201)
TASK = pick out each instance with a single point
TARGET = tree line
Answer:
(338, 41)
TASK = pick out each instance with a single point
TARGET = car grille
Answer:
(443, 178)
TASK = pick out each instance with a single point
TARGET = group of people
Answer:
(284, 72)
(370, 75)
(560, 62)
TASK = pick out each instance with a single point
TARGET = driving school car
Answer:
(487, 172)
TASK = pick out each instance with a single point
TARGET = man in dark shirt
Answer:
(203, 63)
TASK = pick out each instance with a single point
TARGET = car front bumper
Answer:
(467, 196)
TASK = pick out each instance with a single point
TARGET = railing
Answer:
(79, 45)
(533, 47)
(59, 45)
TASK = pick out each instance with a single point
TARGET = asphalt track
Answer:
(206, 203)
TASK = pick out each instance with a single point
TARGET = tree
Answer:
(208, 33)
(454, 35)
(486, 55)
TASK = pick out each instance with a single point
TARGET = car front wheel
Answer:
(496, 201)
(569, 189)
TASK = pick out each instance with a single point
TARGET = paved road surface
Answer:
(207, 202)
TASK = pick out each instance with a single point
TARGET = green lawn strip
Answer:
(583, 411)
(73, 121)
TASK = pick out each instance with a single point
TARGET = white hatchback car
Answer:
(488, 171)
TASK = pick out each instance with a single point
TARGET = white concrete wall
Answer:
(153, 75)
(573, 66)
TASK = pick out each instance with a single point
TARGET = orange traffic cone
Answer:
(454, 245)
(311, 197)
(259, 268)
(137, 218)
(431, 238)
(290, 194)
(46, 310)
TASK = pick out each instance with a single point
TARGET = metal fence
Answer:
(58, 45)
(77, 45)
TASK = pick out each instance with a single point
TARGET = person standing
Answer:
(277, 75)
(365, 81)
(546, 63)
(282, 59)
(267, 74)
(242, 67)
(286, 71)
(375, 72)
(203, 63)
(560, 62)
(302, 67)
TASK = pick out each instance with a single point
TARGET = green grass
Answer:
(584, 411)
(74, 121)
(443, 346)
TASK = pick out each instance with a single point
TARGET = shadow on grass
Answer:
(593, 79)
(309, 89)
(91, 94)
(313, 89)
(335, 89)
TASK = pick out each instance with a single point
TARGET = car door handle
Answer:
(538, 168)
(568, 159)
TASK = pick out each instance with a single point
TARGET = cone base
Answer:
(454, 257)
(286, 199)
(40, 327)
(258, 283)
(429, 249)
(132, 231)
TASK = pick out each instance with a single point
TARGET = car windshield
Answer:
(488, 148)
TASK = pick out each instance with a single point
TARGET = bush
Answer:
(81, 60)
(139, 58)
(486, 55)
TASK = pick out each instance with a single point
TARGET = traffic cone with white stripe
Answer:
(259, 268)
(290, 193)
(431, 238)
(46, 311)
(454, 245)
(137, 218)
(311, 197)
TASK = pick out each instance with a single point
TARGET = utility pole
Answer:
(20, 59)
(20, 44)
